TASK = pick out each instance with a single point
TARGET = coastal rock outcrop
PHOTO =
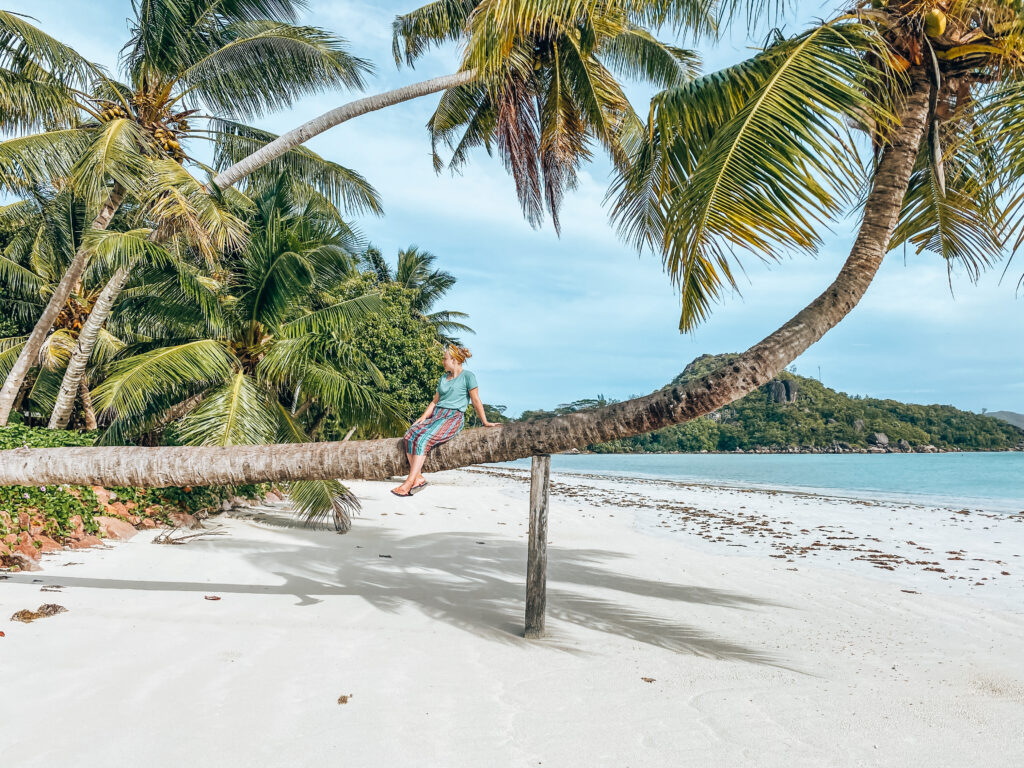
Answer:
(879, 438)
(782, 391)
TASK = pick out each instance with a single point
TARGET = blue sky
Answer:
(559, 319)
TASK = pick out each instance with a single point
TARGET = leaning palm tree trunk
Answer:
(376, 459)
(230, 176)
(318, 125)
(75, 372)
(30, 352)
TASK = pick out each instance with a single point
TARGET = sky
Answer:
(563, 318)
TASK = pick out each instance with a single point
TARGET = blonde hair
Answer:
(459, 354)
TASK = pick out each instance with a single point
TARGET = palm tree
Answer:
(416, 273)
(757, 156)
(41, 235)
(49, 230)
(248, 370)
(535, 81)
(187, 65)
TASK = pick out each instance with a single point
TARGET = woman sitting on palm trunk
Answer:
(444, 417)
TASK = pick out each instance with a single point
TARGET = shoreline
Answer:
(801, 451)
(972, 493)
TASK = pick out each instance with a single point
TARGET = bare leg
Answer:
(415, 465)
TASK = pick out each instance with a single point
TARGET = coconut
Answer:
(934, 22)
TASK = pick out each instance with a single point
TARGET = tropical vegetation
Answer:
(191, 70)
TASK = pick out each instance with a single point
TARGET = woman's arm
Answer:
(474, 396)
(430, 409)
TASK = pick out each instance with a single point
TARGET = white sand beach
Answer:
(688, 626)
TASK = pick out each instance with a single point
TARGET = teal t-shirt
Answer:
(454, 393)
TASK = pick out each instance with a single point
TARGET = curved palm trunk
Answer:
(230, 176)
(74, 374)
(30, 352)
(376, 459)
(318, 125)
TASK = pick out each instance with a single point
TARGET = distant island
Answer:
(1017, 419)
(797, 414)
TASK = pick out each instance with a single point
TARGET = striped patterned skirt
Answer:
(443, 425)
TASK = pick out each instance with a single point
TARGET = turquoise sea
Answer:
(991, 481)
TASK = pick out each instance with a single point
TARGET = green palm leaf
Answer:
(34, 100)
(338, 317)
(37, 160)
(318, 500)
(754, 158)
(19, 281)
(183, 207)
(125, 249)
(956, 218)
(10, 348)
(638, 54)
(287, 61)
(433, 24)
(237, 413)
(344, 187)
(115, 155)
(25, 47)
(133, 384)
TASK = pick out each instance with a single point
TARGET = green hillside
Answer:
(797, 413)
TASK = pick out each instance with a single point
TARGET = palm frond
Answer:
(56, 350)
(32, 100)
(374, 260)
(957, 219)
(414, 33)
(287, 61)
(446, 322)
(636, 53)
(26, 47)
(42, 159)
(756, 158)
(320, 500)
(115, 155)
(107, 347)
(286, 277)
(134, 383)
(338, 317)
(236, 413)
(10, 348)
(344, 187)
(125, 249)
(18, 281)
(182, 206)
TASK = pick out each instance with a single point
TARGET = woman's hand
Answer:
(491, 424)
(420, 420)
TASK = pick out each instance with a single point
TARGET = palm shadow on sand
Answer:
(472, 581)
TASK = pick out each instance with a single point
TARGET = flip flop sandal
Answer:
(418, 488)
(402, 495)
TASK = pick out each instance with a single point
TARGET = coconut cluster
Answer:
(164, 129)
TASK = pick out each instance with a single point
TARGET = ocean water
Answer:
(990, 481)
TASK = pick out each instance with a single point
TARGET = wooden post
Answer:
(537, 555)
